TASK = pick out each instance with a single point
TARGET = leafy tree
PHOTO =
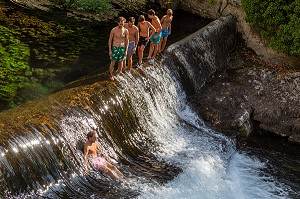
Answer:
(14, 69)
(101, 7)
(278, 20)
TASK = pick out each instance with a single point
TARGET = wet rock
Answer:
(294, 138)
(250, 92)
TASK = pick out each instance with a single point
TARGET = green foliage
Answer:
(14, 68)
(101, 7)
(48, 46)
(51, 42)
(278, 20)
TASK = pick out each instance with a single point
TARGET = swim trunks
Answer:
(165, 33)
(143, 41)
(98, 162)
(130, 48)
(118, 53)
(156, 40)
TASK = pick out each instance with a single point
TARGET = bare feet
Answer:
(112, 78)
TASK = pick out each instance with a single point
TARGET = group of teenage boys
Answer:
(126, 38)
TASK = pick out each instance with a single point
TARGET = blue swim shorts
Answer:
(130, 48)
(165, 32)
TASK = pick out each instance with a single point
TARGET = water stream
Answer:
(146, 124)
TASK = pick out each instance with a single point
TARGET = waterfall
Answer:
(145, 123)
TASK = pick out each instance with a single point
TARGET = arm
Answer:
(126, 41)
(86, 150)
(170, 25)
(158, 30)
(110, 41)
(153, 30)
(137, 38)
(162, 19)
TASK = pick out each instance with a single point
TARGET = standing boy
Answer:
(155, 39)
(133, 41)
(166, 21)
(144, 27)
(118, 46)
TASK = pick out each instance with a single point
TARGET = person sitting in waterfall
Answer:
(99, 162)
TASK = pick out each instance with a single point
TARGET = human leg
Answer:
(120, 67)
(163, 44)
(129, 58)
(130, 52)
(151, 50)
(115, 169)
(107, 170)
(124, 65)
(141, 53)
(155, 50)
(111, 69)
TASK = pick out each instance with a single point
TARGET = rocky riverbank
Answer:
(259, 89)
(251, 96)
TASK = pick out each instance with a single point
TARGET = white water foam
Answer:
(211, 166)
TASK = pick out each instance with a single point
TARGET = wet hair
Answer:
(169, 12)
(141, 18)
(131, 19)
(90, 134)
(151, 12)
(121, 19)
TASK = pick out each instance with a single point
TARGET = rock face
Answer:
(261, 93)
(223, 7)
(249, 96)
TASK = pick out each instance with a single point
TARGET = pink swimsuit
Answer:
(98, 162)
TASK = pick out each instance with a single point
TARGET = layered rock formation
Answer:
(263, 96)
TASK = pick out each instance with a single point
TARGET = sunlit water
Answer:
(168, 128)
(211, 166)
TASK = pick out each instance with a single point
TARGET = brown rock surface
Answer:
(251, 93)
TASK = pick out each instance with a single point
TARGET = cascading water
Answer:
(146, 125)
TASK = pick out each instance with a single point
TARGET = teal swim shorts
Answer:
(118, 53)
(156, 40)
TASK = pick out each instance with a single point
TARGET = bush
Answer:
(14, 68)
(102, 7)
(277, 20)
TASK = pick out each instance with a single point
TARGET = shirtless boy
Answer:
(144, 27)
(118, 46)
(99, 162)
(155, 39)
(166, 21)
(133, 41)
